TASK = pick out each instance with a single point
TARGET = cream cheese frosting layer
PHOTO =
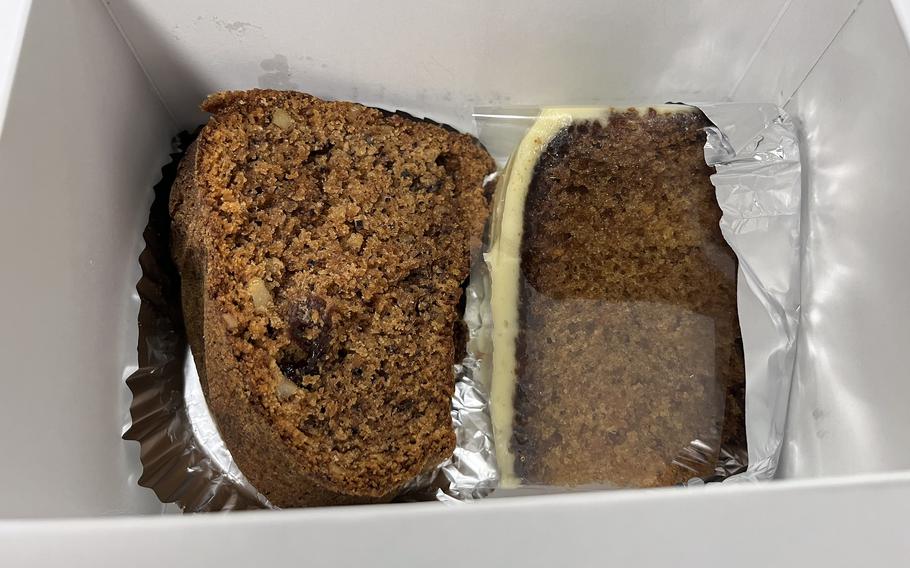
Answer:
(503, 258)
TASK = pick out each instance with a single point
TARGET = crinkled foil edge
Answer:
(755, 150)
(471, 472)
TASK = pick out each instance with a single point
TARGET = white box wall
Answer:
(850, 395)
(87, 128)
(82, 137)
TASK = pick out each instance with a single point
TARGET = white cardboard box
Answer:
(91, 92)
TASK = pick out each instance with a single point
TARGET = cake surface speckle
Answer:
(628, 365)
(322, 247)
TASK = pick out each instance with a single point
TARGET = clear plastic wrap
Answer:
(605, 349)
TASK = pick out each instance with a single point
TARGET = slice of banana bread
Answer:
(322, 247)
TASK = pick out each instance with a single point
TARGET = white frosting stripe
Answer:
(504, 258)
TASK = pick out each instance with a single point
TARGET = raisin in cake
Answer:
(616, 339)
(322, 247)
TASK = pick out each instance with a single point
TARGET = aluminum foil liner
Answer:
(472, 472)
(755, 150)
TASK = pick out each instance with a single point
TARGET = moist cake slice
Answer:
(615, 330)
(322, 247)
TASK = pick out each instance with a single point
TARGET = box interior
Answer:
(100, 87)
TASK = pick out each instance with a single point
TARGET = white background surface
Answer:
(443, 58)
(12, 27)
(82, 143)
(849, 407)
(86, 133)
(795, 524)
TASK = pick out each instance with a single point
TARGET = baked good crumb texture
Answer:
(322, 248)
(629, 365)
